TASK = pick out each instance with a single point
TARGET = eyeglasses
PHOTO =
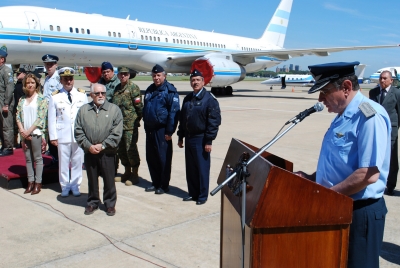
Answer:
(326, 91)
(98, 93)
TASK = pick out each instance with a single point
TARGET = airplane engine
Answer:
(219, 72)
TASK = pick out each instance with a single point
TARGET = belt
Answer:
(364, 202)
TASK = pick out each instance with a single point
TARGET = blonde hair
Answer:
(31, 75)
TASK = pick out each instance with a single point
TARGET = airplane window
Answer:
(82, 31)
(70, 29)
(87, 31)
(146, 37)
(109, 33)
(180, 41)
(166, 40)
(173, 40)
(1, 25)
(119, 34)
(141, 37)
(224, 46)
(76, 30)
(197, 42)
(158, 39)
(151, 38)
(58, 28)
(51, 27)
(114, 34)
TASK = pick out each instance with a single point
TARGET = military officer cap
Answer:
(49, 58)
(106, 65)
(66, 71)
(21, 70)
(123, 69)
(196, 73)
(157, 69)
(325, 73)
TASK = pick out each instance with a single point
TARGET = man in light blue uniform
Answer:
(355, 157)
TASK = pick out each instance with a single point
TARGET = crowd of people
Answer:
(100, 134)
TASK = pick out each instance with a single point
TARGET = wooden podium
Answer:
(290, 221)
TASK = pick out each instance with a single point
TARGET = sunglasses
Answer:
(98, 93)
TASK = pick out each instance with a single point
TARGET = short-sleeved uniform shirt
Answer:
(355, 141)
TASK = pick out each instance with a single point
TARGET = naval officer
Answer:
(63, 107)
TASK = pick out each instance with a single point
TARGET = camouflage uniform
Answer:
(6, 98)
(130, 102)
(110, 86)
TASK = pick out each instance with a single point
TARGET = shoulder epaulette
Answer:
(367, 109)
(55, 92)
(81, 90)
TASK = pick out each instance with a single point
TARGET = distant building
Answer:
(277, 70)
(291, 67)
(297, 68)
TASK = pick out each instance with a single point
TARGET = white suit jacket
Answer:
(62, 114)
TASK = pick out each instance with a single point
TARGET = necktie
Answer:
(383, 95)
(69, 97)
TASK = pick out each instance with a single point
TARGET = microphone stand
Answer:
(243, 173)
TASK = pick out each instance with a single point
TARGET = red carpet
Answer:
(13, 167)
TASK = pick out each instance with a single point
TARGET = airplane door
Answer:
(35, 31)
(132, 37)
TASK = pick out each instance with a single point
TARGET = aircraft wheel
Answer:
(270, 88)
(228, 90)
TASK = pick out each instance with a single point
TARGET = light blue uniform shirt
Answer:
(51, 84)
(354, 141)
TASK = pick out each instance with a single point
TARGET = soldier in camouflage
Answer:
(127, 97)
(6, 105)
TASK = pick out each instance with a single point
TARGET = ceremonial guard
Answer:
(127, 97)
(63, 107)
(160, 117)
(6, 105)
(199, 122)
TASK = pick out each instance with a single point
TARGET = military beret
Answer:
(3, 53)
(196, 73)
(157, 69)
(66, 71)
(123, 69)
(325, 73)
(49, 58)
(106, 65)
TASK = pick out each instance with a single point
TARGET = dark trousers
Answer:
(197, 168)
(159, 158)
(394, 166)
(104, 163)
(366, 233)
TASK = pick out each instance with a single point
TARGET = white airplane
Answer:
(89, 39)
(394, 70)
(304, 80)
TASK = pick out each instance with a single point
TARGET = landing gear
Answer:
(270, 88)
(222, 91)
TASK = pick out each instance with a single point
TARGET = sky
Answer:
(312, 24)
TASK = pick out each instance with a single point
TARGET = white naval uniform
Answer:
(61, 116)
(51, 84)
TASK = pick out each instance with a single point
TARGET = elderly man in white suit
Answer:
(63, 107)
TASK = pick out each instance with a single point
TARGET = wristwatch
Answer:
(103, 147)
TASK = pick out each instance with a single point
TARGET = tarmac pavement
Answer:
(151, 230)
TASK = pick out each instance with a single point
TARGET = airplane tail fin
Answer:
(360, 69)
(275, 32)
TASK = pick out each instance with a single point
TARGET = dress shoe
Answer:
(201, 202)
(6, 152)
(76, 193)
(188, 198)
(90, 209)
(111, 211)
(150, 189)
(37, 188)
(29, 189)
(162, 191)
(65, 193)
(133, 179)
(390, 192)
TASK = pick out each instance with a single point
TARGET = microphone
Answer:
(318, 107)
